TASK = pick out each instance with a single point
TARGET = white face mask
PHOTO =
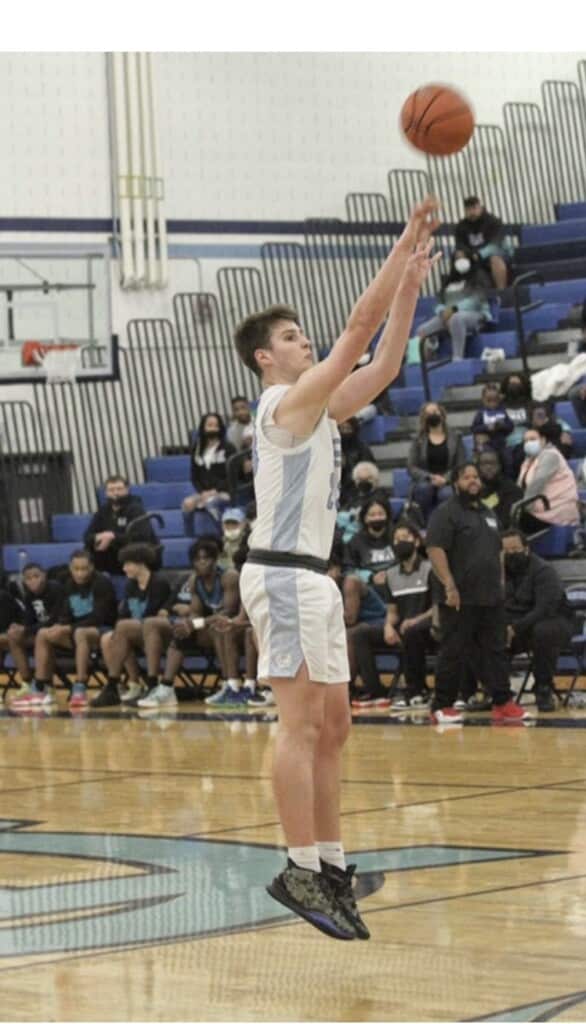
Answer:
(232, 533)
(462, 265)
(532, 448)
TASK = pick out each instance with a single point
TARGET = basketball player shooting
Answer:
(294, 607)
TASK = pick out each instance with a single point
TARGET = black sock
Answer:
(168, 682)
(152, 681)
(41, 683)
(113, 680)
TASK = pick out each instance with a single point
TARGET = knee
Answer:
(352, 586)
(336, 728)
(151, 625)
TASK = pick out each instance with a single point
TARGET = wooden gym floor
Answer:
(135, 853)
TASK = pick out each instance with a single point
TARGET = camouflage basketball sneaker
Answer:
(341, 883)
(310, 895)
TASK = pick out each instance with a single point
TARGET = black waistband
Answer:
(285, 559)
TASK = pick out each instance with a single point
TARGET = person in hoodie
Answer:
(88, 609)
(108, 530)
(145, 594)
(479, 236)
(36, 606)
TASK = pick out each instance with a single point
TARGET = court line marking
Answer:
(57, 785)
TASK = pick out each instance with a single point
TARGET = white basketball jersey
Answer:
(296, 487)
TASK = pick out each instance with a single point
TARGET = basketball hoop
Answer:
(61, 365)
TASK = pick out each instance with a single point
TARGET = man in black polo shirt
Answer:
(538, 617)
(464, 547)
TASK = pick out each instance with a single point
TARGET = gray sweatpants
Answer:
(457, 326)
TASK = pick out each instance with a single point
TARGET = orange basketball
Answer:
(437, 120)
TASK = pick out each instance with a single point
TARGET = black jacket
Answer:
(117, 518)
(475, 234)
(500, 497)
(535, 595)
(417, 463)
(215, 478)
(93, 604)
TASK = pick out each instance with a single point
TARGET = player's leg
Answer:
(118, 646)
(19, 643)
(86, 639)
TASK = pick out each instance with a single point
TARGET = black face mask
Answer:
(516, 562)
(364, 487)
(377, 526)
(515, 390)
(211, 435)
(433, 420)
(403, 549)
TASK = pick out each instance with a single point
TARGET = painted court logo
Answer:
(128, 890)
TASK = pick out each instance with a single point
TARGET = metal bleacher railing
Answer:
(171, 371)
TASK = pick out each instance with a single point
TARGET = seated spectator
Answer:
(109, 529)
(190, 628)
(354, 451)
(545, 471)
(87, 611)
(543, 412)
(233, 527)
(209, 454)
(145, 594)
(463, 308)
(370, 552)
(538, 617)
(498, 492)
(239, 470)
(517, 398)
(365, 485)
(491, 424)
(240, 421)
(479, 235)
(406, 628)
(38, 605)
(434, 454)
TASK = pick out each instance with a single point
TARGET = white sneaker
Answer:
(132, 691)
(459, 705)
(160, 697)
(216, 697)
(48, 697)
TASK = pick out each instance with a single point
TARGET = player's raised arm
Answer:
(365, 384)
(302, 406)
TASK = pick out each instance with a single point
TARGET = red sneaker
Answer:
(510, 713)
(446, 716)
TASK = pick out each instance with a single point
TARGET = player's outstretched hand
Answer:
(423, 221)
(420, 263)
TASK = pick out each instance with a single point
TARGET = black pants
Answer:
(369, 638)
(107, 561)
(475, 635)
(544, 641)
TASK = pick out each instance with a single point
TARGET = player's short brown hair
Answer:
(255, 332)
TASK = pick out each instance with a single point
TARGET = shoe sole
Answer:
(155, 707)
(315, 918)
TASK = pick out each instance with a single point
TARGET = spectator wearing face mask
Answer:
(370, 552)
(545, 471)
(498, 492)
(517, 400)
(538, 616)
(365, 485)
(463, 308)
(233, 526)
(491, 424)
(543, 412)
(354, 451)
(479, 235)
(108, 530)
(434, 453)
(209, 454)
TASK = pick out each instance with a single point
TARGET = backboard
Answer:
(54, 298)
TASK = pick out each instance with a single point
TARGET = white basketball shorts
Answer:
(297, 615)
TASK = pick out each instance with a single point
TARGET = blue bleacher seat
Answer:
(174, 523)
(562, 231)
(559, 291)
(570, 211)
(461, 372)
(47, 555)
(579, 443)
(565, 411)
(396, 506)
(555, 543)
(69, 527)
(493, 339)
(157, 495)
(407, 401)
(377, 429)
(167, 468)
(546, 318)
(401, 483)
(175, 553)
